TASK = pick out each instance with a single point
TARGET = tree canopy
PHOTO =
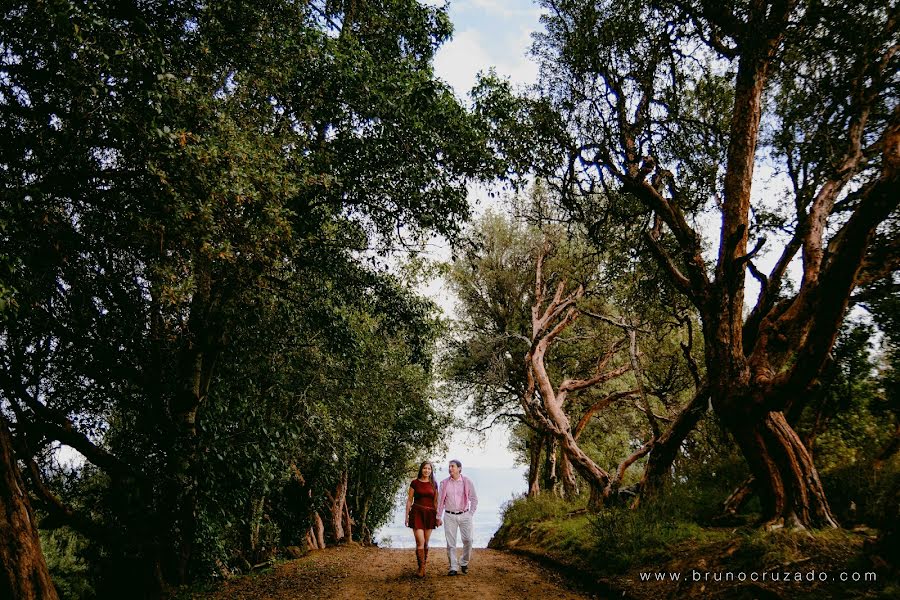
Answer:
(195, 198)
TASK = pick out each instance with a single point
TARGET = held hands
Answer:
(439, 522)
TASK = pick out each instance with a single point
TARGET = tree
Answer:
(540, 293)
(167, 166)
(24, 573)
(674, 106)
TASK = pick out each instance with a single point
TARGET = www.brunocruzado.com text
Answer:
(694, 576)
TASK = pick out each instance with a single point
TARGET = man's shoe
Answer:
(452, 572)
(465, 569)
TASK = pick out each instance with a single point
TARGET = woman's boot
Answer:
(424, 560)
(420, 557)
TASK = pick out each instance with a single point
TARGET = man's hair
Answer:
(457, 463)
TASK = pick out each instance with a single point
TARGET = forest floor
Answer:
(356, 572)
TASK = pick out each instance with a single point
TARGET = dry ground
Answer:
(355, 572)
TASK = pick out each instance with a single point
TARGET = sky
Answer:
(487, 34)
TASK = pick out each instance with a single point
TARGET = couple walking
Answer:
(452, 504)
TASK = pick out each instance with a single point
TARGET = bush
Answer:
(548, 524)
(856, 493)
(523, 510)
(624, 537)
(63, 550)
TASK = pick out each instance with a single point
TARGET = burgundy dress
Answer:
(423, 514)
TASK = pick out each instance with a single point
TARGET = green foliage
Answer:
(64, 552)
(860, 493)
(193, 199)
(625, 537)
(757, 549)
(547, 525)
(607, 542)
(849, 422)
(617, 543)
(523, 510)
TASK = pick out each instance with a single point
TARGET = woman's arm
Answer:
(437, 496)
(409, 501)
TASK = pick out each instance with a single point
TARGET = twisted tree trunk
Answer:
(545, 404)
(569, 483)
(791, 492)
(551, 477)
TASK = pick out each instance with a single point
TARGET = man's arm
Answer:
(473, 497)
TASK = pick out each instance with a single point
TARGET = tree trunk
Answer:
(338, 500)
(567, 475)
(197, 361)
(535, 446)
(348, 523)
(256, 516)
(365, 534)
(738, 498)
(311, 543)
(786, 478)
(24, 574)
(319, 530)
(665, 449)
(550, 475)
(596, 478)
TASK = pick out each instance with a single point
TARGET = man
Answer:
(457, 497)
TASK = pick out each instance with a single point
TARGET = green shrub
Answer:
(625, 537)
(548, 524)
(523, 509)
(856, 493)
(606, 542)
(63, 550)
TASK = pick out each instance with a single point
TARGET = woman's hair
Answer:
(430, 477)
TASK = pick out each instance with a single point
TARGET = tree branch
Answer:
(597, 407)
(57, 426)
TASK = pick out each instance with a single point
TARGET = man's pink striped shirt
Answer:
(457, 495)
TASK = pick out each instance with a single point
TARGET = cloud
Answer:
(472, 51)
(459, 61)
(499, 7)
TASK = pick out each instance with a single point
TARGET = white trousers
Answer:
(462, 523)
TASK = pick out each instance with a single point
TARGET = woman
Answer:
(421, 511)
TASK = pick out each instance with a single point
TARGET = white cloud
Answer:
(495, 41)
(459, 61)
(499, 7)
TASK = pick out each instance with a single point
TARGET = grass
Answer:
(547, 524)
(625, 537)
(614, 545)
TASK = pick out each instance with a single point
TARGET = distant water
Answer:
(494, 487)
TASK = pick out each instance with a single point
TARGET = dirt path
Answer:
(357, 572)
